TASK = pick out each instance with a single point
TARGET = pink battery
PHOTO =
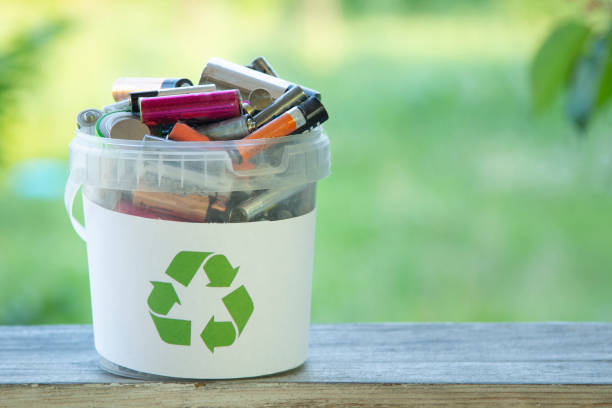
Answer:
(205, 107)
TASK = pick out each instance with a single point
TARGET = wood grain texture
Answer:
(254, 394)
(475, 364)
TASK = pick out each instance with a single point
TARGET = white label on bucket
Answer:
(200, 300)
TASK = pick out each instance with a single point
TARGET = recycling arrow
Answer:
(219, 271)
(240, 307)
(185, 265)
(221, 274)
(162, 297)
(218, 334)
(173, 331)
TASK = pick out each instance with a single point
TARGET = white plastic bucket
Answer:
(176, 298)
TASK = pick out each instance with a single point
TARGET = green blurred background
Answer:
(448, 199)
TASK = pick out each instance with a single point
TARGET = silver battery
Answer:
(259, 99)
(229, 129)
(261, 64)
(294, 96)
(122, 125)
(257, 205)
(187, 89)
(122, 105)
(246, 107)
(86, 120)
(228, 75)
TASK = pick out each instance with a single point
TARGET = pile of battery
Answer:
(230, 102)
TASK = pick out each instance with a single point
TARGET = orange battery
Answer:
(126, 207)
(220, 203)
(192, 207)
(301, 117)
(185, 133)
(244, 166)
(283, 125)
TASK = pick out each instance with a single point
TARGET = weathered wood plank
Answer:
(480, 353)
(476, 364)
(254, 394)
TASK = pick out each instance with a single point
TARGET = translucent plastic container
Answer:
(200, 266)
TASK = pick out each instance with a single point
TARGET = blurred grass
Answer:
(447, 201)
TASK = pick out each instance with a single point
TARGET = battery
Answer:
(122, 87)
(229, 129)
(260, 98)
(220, 203)
(126, 207)
(86, 120)
(257, 205)
(122, 105)
(121, 125)
(192, 207)
(246, 107)
(292, 97)
(261, 64)
(227, 75)
(204, 107)
(134, 96)
(181, 132)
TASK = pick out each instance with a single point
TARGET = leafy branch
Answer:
(576, 56)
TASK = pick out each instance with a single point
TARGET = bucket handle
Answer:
(72, 188)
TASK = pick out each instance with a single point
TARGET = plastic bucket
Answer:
(199, 268)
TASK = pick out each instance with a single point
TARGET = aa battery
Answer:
(261, 64)
(192, 207)
(246, 107)
(314, 112)
(135, 96)
(227, 75)
(229, 129)
(122, 105)
(121, 125)
(284, 125)
(182, 132)
(259, 99)
(257, 205)
(205, 107)
(220, 203)
(86, 120)
(292, 97)
(309, 113)
(123, 87)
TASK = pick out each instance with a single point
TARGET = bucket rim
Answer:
(166, 147)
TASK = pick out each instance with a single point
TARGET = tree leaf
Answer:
(585, 82)
(605, 86)
(552, 64)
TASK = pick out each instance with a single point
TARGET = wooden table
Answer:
(472, 364)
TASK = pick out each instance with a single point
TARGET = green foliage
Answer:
(21, 61)
(554, 61)
(605, 87)
(585, 83)
(448, 206)
(445, 203)
(577, 56)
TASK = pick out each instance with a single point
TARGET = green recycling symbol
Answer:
(221, 274)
